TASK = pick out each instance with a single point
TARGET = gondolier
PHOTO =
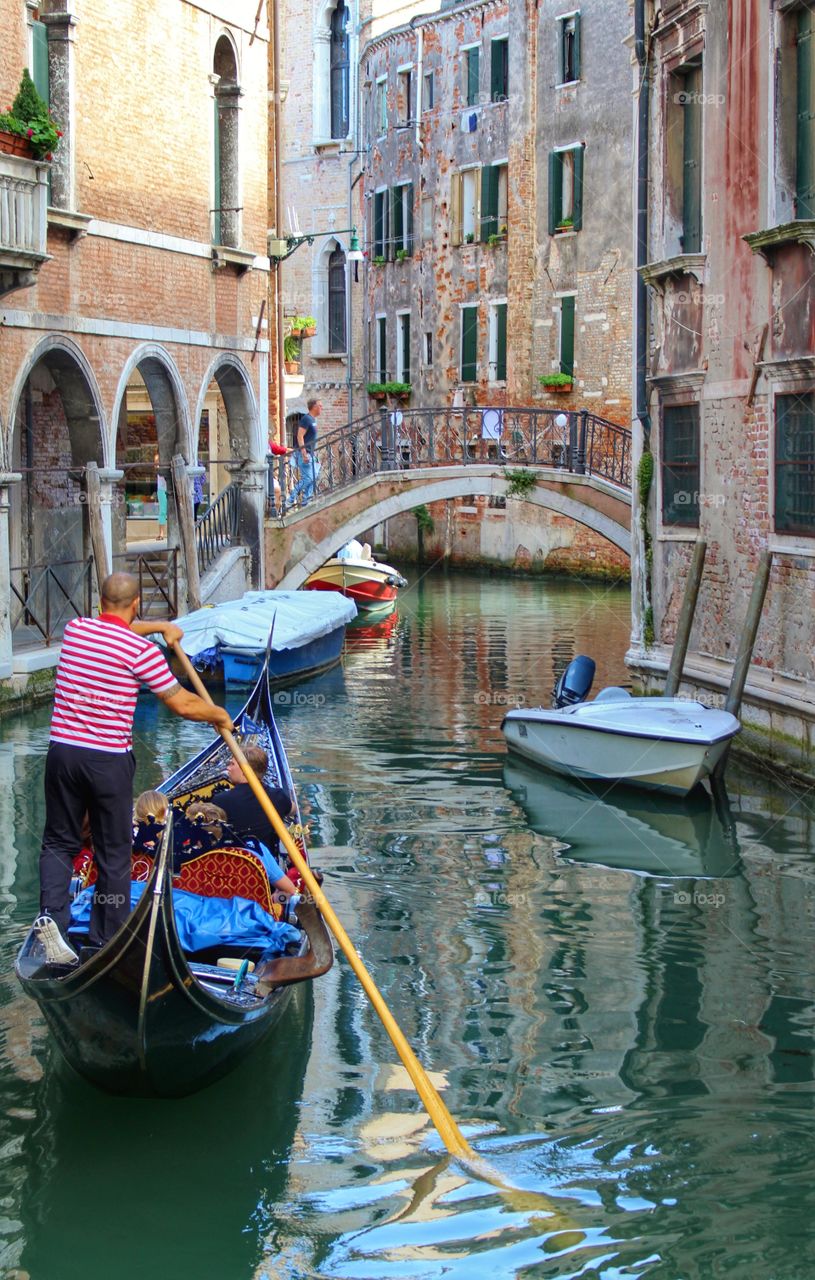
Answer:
(90, 764)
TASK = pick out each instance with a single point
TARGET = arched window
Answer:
(340, 67)
(336, 301)
(226, 184)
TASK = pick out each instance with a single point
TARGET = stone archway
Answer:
(57, 427)
(228, 420)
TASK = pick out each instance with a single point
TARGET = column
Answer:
(252, 480)
(61, 24)
(7, 478)
(228, 99)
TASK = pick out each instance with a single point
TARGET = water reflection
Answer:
(633, 1039)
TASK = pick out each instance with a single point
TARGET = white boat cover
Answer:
(299, 617)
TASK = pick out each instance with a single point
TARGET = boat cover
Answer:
(205, 922)
(298, 616)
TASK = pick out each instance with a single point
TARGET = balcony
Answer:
(23, 221)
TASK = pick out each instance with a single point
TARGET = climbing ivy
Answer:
(520, 483)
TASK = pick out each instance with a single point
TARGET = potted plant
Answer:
(561, 383)
(565, 224)
(308, 326)
(27, 128)
(494, 240)
(401, 255)
(376, 390)
(379, 260)
(291, 354)
(469, 238)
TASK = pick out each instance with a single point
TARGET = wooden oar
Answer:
(448, 1130)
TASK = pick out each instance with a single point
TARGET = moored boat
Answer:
(227, 642)
(371, 584)
(148, 1016)
(667, 743)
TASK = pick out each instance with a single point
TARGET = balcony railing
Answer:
(23, 219)
(219, 527)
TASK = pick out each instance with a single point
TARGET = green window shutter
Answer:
(680, 465)
(795, 464)
(577, 206)
(805, 108)
(555, 190)
(501, 342)
(692, 163)
(576, 54)
(409, 217)
(567, 336)
(216, 203)
(489, 201)
(499, 79)
(469, 344)
(406, 348)
(473, 61)
(398, 222)
(379, 224)
(382, 352)
(39, 71)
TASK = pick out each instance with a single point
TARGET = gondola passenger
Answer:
(213, 820)
(243, 810)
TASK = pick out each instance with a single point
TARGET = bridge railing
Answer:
(573, 441)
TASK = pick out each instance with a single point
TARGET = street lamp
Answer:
(281, 248)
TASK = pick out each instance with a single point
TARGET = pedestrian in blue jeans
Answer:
(304, 456)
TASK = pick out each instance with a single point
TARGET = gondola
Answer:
(142, 1016)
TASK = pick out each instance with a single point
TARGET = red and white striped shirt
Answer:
(101, 666)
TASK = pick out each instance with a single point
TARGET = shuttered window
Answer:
(336, 301)
(382, 349)
(692, 162)
(380, 236)
(566, 352)
(498, 342)
(566, 190)
(39, 59)
(795, 464)
(570, 49)
(403, 354)
(473, 66)
(402, 218)
(499, 70)
(469, 344)
(680, 465)
(805, 112)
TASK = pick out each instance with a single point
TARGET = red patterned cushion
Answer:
(85, 867)
(228, 873)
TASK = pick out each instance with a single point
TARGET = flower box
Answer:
(308, 332)
(13, 145)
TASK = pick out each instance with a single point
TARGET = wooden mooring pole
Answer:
(747, 642)
(685, 623)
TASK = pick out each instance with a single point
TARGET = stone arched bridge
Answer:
(396, 461)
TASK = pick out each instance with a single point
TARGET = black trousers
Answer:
(79, 780)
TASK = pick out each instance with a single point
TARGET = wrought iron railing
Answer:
(157, 572)
(45, 597)
(575, 441)
(219, 526)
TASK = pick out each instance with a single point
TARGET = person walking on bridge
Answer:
(304, 456)
(90, 763)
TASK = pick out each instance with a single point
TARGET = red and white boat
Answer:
(372, 586)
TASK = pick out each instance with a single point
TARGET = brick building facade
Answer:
(498, 207)
(149, 295)
(731, 372)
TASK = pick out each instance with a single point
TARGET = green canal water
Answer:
(615, 995)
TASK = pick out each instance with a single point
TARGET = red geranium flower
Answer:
(59, 133)
(30, 133)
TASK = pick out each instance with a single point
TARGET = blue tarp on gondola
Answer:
(205, 922)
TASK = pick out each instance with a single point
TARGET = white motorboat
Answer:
(666, 743)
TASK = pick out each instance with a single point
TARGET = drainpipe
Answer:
(276, 350)
(419, 83)
(641, 299)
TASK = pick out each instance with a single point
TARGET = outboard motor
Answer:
(574, 684)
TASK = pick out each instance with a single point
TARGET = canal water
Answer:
(614, 994)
